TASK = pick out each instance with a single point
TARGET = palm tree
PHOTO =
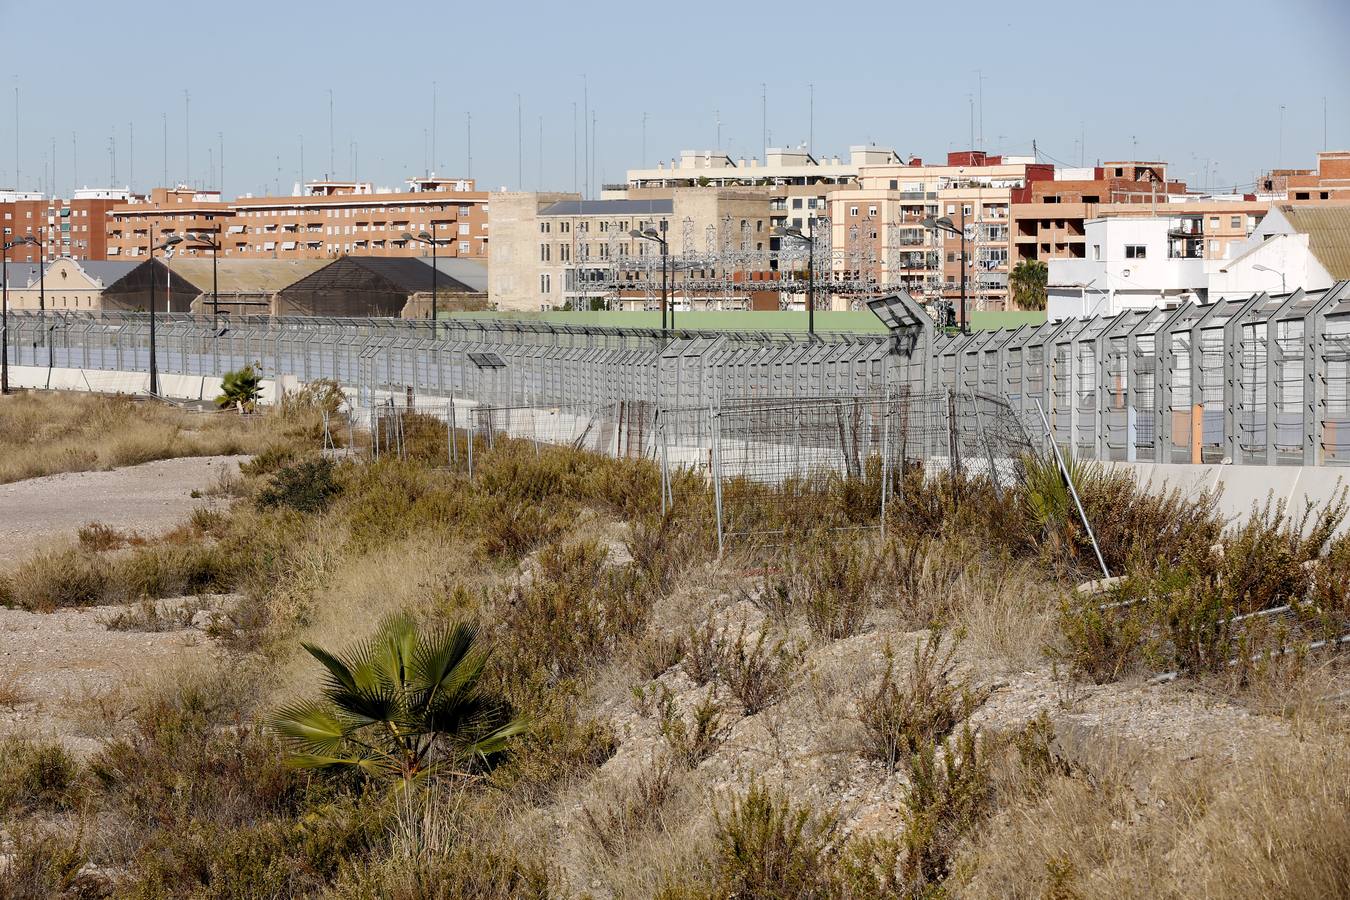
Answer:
(240, 389)
(402, 705)
(1028, 280)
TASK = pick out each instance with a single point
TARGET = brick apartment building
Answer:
(329, 219)
(73, 228)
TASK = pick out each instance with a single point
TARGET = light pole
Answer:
(201, 239)
(4, 307)
(168, 242)
(1279, 272)
(651, 234)
(945, 226)
(424, 238)
(810, 271)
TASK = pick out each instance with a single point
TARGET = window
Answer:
(796, 202)
(543, 253)
(966, 209)
(1235, 222)
(543, 227)
(951, 208)
(463, 246)
(1134, 251)
(895, 184)
(1213, 221)
(564, 252)
(463, 227)
(872, 211)
(1096, 251)
(545, 284)
(1214, 249)
(853, 211)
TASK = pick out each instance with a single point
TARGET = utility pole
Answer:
(433, 127)
(220, 136)
(574, 146)
(811, 118)
(763, 117)
(586, 138)
(1279, 157)
(131, 154)
(187, 135)
(165, 118)
(18, 184)
(332, 168)
(468, 145)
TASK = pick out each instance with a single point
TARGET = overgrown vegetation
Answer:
(696, 727)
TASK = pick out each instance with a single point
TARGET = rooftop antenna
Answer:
(644, 140)
(131, 154)
(811, 118)
(302, 164)
(331, 142)
(187, 136)
(520, 147)
(539, 185)
(433, 127)
(17, 181)
(585, 138)
(1279, 157)
(574, 146)
(763, 116)
(165, 117)
(220, 136)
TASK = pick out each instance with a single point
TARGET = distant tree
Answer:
(240, 388)
(1028, 281)
(403, 705)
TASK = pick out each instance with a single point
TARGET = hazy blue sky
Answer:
(1190, 80)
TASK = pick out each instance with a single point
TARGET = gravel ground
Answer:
(151, 497)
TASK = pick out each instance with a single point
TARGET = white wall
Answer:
(1108, 281)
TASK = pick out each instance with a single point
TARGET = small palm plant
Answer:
(402, 705)
(240, 389)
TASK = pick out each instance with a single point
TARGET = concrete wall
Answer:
(178, 387)
(1244, 488)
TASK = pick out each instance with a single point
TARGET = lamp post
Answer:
(168, 242)
(945, 226)
(4, 306)
(810, 271)
(651, 234)
(1261, 268)
(425, 238)
(201, 239)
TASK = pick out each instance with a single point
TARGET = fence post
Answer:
(717, 473)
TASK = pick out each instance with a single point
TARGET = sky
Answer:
(1220, 90)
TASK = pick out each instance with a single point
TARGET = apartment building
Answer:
(878, 233)
(73, 228)
(557, 250)
(326, 219)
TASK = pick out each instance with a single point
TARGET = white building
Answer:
(1131, 263)
(1294, 247)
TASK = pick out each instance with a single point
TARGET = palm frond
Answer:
(313, 727)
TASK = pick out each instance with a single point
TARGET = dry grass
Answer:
(1121, 825)
(47, 433)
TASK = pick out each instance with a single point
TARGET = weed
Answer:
(36, 776)
(616, 824)
(769, 847)
(758, 673)
(99, 538)
(694, 739)
(655, 653)
(950, 793)
(704, 654)
(900, 723)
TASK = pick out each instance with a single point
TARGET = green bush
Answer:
(307, 486)
(240, 389)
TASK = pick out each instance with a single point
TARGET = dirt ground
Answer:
(151, 497)
(64, 674)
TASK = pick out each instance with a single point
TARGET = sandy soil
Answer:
(66, 675)
(151, 497)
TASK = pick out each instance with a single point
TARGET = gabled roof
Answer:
(470, 272)
(246, 276)
(20, 274)
(405, 275)
(107, 272)
(1327, 226)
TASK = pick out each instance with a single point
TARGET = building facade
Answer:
(326, 220)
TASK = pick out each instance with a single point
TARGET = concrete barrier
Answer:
(1244, 489)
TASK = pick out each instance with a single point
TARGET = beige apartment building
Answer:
(556, 250)
(878, 234)
(327, 219)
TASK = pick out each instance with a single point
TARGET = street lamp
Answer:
(4, 306)
(1279, 272)
(810, 271)
(168, 242)
(424, 238)
(945, 226)
(201, 239)
(651, 234)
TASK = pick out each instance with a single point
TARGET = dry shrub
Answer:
(759, 673)
(12, 691)
(36, 776)
(573, 613)
(704, 653)
(831, 579)
(697, 737)
(99, 538)
(42, 862)
(517, 528)
(629, 813)
(655, 653)
(900, 722)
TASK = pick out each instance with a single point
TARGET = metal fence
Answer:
(1259, 380)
